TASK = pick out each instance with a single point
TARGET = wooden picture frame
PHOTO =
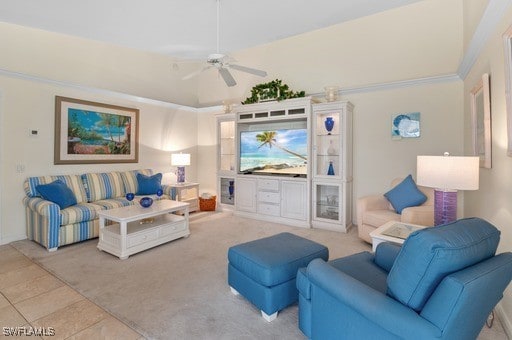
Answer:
(93, 133)
(481, 121)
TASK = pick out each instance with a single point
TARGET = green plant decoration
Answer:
(273, 90)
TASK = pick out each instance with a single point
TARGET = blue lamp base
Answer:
(180, 174)
(445, 206)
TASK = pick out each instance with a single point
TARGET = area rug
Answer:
(179, 290)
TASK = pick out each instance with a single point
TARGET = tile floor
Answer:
(33, 299)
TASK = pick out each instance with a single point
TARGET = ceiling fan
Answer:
(223, 62)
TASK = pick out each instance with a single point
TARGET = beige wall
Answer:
(493, 200)
(377, 158)
(28, 104)
(91, 63)
(420, 40)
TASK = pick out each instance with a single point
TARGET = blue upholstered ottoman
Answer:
(264, 270)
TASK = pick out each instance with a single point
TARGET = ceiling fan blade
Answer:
(195, 73)
(249, 70)
(228, 78)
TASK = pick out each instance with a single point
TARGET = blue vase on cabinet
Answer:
(329, 124)
(231, 189)
(330, 170)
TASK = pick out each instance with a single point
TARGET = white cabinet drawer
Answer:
(268, 184)
(139, 238)
(269, 197)
(269, 209)
(172, 228)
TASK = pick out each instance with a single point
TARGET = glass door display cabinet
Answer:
(226, 160)
(332, 165)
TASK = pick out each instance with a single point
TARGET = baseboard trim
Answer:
(505, 321)
(10, 239)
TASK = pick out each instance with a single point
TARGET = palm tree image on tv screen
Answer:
(282, 151)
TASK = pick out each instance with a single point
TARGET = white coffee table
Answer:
(393, 231)
(137, 228)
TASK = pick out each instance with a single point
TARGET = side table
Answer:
(393, 231)
(187, 192)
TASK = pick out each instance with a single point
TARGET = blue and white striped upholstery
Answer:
(115, 203)
(74, 182)
(80, 213)
(100, 186)
(130, 179)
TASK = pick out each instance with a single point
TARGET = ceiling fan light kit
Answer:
(222, 62)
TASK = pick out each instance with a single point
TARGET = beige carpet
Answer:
(179, 290)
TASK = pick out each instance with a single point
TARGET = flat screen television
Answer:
(276, 152)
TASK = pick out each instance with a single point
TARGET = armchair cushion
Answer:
(404, 195)
(430, 254)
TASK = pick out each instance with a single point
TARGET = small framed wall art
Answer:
(405, 125)
(481, 121)
(88, 132)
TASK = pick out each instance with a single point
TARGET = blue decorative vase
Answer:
(130, 196)
(159, 193)
(231, 189)
(146, 202)
(329, 124)
(330, 170)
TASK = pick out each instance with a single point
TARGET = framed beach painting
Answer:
(481, 121)
(88, 132)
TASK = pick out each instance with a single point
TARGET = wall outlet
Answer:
(33, 132)
(20, 168)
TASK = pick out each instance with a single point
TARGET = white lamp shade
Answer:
(180, 159)
(448, 172)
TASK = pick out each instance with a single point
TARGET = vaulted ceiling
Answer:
(187, 28)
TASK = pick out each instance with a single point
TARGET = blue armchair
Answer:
(441, 284)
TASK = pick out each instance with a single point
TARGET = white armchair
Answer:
(375, 210)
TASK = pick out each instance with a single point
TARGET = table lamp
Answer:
(180, 160)
(447, 174)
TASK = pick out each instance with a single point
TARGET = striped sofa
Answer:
(53, 227)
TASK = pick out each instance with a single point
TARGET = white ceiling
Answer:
(187, 28)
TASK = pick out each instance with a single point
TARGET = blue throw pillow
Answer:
(149, 185)
(58, 193)
(404, 195)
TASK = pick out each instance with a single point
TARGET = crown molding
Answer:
(95, 90)
(394, 85)
(491, 17)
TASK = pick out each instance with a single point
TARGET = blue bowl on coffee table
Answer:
(146, 202)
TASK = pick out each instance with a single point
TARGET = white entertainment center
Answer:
(316, 192)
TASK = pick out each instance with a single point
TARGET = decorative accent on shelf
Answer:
(331, 150)
(329, 124)
(130, 196)
(331, 93)
(273, 90)
(330, 170)
(146, 202)
(231, 189)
